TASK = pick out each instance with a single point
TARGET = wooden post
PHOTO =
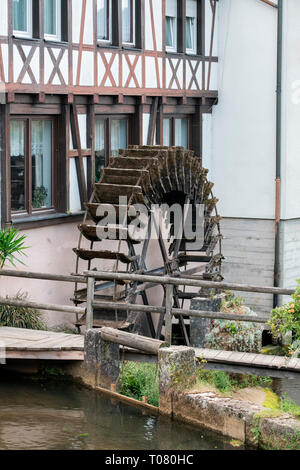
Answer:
(90, 299)
(168, 314)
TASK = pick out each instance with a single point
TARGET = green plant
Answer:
(53, 371)
(11, 244)
(140, 380)
(228, 383)
(222, 382)
(39, 197)
(21, 317)
(287, 318)
(231, 302)
(289, 406)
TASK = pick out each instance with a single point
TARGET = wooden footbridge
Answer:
(24, 344)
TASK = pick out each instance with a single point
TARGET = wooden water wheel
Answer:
(147, 175)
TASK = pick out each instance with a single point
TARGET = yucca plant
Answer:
(11, 245)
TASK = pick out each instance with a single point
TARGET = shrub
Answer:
(138, 380)
(21, 317)
(287, 318)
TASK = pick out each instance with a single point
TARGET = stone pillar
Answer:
(177, 372)
(199, 327)
(101, 361)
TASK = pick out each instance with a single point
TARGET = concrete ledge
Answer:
(237, 419)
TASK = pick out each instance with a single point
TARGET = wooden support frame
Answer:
(4, 152)
(79, 158)
(153, 120)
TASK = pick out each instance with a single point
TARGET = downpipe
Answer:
(278, 150)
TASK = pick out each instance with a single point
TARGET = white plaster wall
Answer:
(207, 141)
(76, 20)
(208, 29)
(243, 124)
(4, 49)
(291, 112)
(3, 18)
(157, 15)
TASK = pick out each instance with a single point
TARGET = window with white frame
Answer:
(52, 19)
(22, 17)
(176, 131)
(128, 21)
(104, 20)
(171, 25)
(191, 26)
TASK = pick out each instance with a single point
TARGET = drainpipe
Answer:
(278, 149)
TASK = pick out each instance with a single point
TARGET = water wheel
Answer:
(147, 175)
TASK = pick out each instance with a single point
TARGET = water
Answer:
(35, 415)
(288, 387)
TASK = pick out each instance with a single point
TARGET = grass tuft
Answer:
(138, 380)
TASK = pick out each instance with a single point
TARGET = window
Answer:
(171, 25)
(191, 26)
(128, 21)
(104, 20)
(111, 134)
(52, 19)
(176, 132)
(22, 17)
(31, 163)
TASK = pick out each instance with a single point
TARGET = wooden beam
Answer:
(79, 160)
(5, 163)
(152, 121)
(132, 340)
(269, 2)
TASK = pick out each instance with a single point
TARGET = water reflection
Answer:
(36, 415)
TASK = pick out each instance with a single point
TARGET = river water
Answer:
(54, 415)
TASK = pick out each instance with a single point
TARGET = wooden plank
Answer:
(46, 355)
(131, 401)
(278, 361)
(294, 363)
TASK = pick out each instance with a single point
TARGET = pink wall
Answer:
(50, 251)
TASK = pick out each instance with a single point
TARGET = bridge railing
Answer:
(90, 277)
(168, 310)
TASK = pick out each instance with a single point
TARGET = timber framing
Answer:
(59, 67)
(81, 74)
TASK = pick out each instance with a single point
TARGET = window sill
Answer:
(56, 42)
(103, 45)
(26, 38)
(44, 220)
